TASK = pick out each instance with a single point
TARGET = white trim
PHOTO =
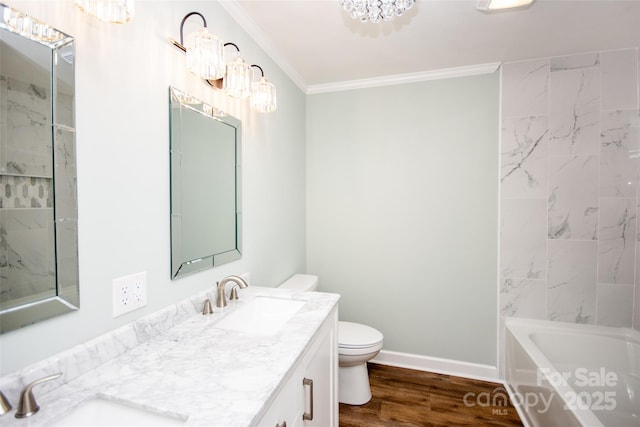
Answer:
(499, 326)
(438, 365)
(238, 14)
(445, 73)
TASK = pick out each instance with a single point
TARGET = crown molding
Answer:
(238, 14)
(444, 73)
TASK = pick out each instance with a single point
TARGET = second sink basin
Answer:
(105, 412)
(261, 315)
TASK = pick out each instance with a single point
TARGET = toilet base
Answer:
(353, 384)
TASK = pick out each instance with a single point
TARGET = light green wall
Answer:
(123, 73)
(402, 208)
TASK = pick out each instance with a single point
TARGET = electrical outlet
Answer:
(129, 293)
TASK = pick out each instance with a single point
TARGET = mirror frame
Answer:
(180, 267)
(67, 294)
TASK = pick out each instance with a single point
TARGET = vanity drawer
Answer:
(287, 406)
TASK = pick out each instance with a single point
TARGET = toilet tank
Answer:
(301, 282)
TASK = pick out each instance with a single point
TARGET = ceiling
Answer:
(319, 46)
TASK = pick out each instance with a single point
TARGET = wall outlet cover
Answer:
(129, 293)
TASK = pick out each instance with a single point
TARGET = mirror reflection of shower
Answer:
(38, 204)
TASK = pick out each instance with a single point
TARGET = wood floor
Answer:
(408, 398)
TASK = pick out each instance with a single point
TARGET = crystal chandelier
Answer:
(376, 10)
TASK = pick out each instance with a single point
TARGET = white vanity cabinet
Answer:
(309, 397)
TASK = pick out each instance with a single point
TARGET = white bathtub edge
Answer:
(516, 404)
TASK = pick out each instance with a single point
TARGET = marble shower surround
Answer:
(569, 189)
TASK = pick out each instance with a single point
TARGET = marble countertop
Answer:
(194, 370)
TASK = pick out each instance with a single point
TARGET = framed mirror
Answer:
(38, 203)
(206, 216)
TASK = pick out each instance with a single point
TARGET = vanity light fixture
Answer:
(234, 78)
(376, 10)
(263, 94)
(112, 11)
(490, 5)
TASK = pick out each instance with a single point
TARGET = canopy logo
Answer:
(580, 389)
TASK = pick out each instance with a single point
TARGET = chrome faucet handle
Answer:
(5, 406)
(207, 308)
(234, 293)
(28, 405)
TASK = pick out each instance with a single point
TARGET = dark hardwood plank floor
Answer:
(408, 398)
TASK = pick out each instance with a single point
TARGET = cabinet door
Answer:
(319, 380)
(286, 407)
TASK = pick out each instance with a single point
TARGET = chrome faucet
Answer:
(28, 405)
(222, 299)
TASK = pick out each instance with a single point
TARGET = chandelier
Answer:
(376, 10)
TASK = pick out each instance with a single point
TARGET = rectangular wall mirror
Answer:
(38, 203)
(206, 218)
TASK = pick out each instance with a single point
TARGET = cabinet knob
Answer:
(282, 424)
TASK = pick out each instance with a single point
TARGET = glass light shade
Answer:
(376, 10)
(263, 96)
(113, 11)
(237, 81)
(205, 58)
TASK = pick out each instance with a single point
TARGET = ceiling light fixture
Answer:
(376, 10)
(112, 11)
(489, 5)
(205, 58)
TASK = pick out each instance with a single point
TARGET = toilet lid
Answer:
(355, 335)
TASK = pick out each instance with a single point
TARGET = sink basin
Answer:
(104, 412)
(261, 315)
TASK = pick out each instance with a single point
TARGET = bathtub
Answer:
(561, 374)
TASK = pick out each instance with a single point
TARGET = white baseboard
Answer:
(441, 366)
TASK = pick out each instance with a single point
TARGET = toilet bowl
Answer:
(357, 344)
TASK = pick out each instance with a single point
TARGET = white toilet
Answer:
(357, 344)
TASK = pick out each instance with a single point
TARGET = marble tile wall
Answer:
(570, 244)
